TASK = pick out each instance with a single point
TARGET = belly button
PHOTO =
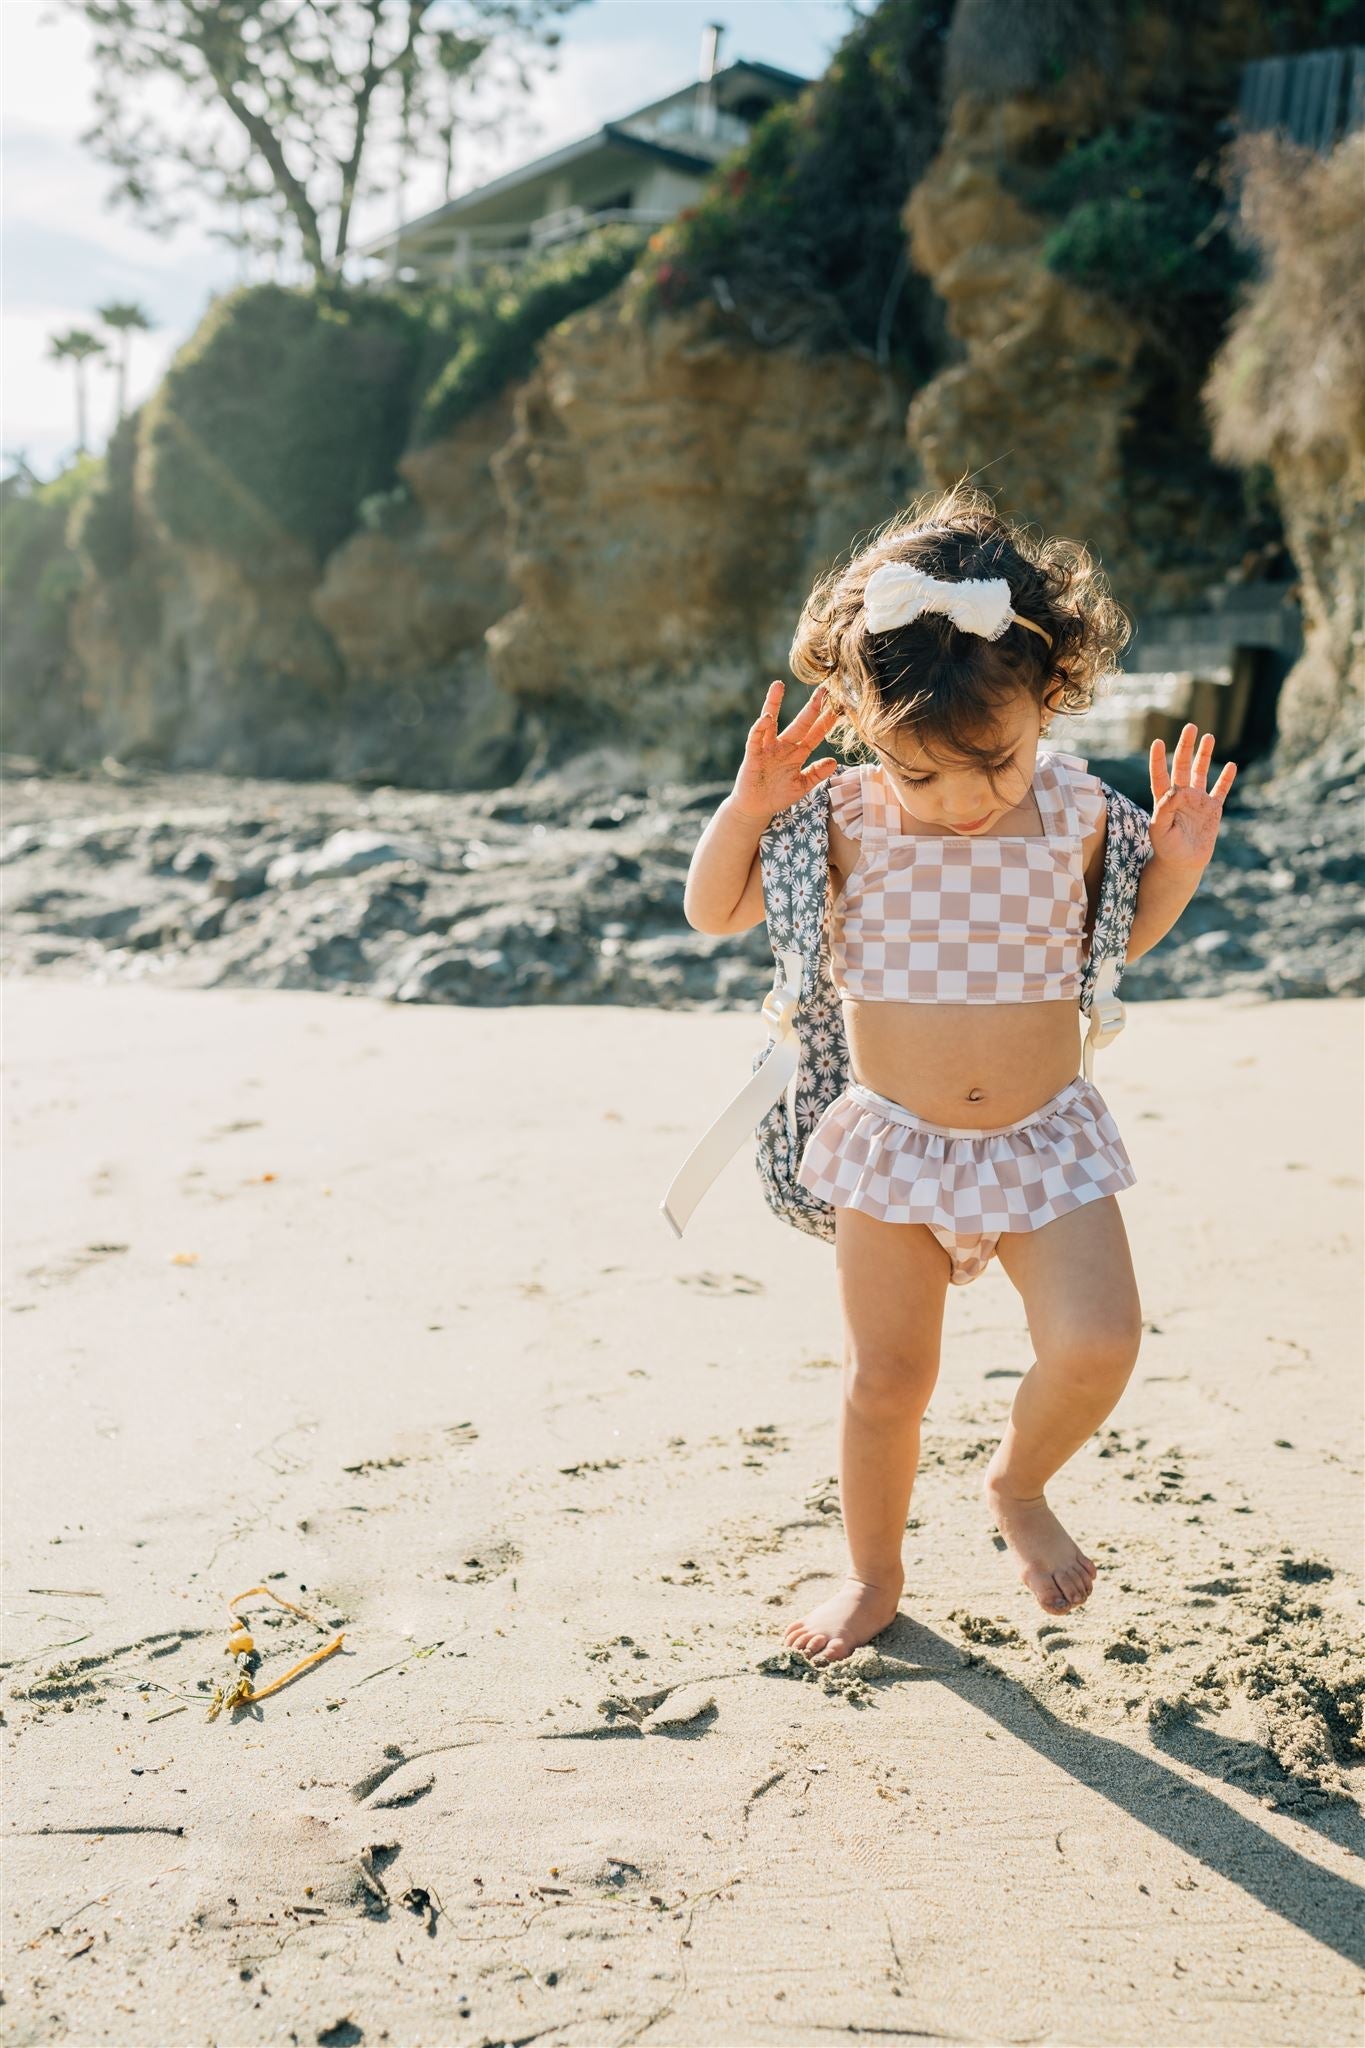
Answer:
(974, 1094)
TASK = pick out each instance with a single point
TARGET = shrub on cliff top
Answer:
(40, 575)
(278, 416)
(39, 572)
(1141, 218)
(798, 235)
(103, 524)
(493, 329)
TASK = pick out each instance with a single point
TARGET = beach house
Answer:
(642, 167)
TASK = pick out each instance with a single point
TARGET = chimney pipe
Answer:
(706, 107)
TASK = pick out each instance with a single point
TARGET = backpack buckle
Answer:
(783, 999)
(1106, 1014)
(779, 1007)
(1106, 1020)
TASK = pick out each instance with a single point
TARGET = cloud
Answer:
(46, 65)
(74, 274)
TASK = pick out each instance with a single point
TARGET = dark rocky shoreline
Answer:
(564, 889)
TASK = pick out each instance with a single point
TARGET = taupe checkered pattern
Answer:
(930, 918)
(870, 1153)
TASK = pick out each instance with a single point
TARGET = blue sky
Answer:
(66, 252)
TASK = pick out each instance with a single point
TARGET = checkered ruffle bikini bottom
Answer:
(870, 1153)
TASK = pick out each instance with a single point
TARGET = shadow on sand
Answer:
(1320, 1904)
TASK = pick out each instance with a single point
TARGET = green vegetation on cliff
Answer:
(798, 237)
(281, 412)
(490, 333)
(1141, 217)
(35, 560)
(288, 409)
(103, 525)
(40, 577)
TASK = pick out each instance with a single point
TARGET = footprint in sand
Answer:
(76, 1262)
(86, 1681)
(486, 1561)
(720, 1283)
(405, 1792)
(983, 1628)
(1054, 1642)
(767, 1439)
(602, 1653)
(956, 1453)
(823, 1497)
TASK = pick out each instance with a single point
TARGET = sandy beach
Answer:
(373, 1304)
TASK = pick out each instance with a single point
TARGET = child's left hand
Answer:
(1186, 815)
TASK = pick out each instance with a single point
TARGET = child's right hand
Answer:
(773, 774)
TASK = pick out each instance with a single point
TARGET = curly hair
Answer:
(945, 686)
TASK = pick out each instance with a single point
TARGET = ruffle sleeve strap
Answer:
(1082, 792)
(1090, 803)
(846, 801)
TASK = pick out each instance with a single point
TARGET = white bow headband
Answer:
(897, 592)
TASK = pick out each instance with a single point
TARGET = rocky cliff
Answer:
(192, 660)
(611, 552)
(1071, 283)
(1288, 390)
(368, 665)
(407, 613)
(669, 495)
(1074, 229)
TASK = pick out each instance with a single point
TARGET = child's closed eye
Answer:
(923, 781)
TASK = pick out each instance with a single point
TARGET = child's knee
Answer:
(887, 1385)
(1098, 1352)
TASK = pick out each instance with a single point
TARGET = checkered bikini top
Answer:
(931, 918)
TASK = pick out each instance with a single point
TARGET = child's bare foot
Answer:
(847, 1619)
(1056, 1571)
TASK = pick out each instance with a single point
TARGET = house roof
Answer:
(611, 134)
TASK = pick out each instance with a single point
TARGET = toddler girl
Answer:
(964, 870)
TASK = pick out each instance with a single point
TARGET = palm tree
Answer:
(126, 318)
(75, 347)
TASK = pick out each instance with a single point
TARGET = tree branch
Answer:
(303, 84)
(372, 77)
(350, 170)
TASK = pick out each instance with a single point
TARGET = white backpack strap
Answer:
(1106, 1014)
(740, 1117)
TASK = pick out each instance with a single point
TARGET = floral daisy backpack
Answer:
(804, 1064)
